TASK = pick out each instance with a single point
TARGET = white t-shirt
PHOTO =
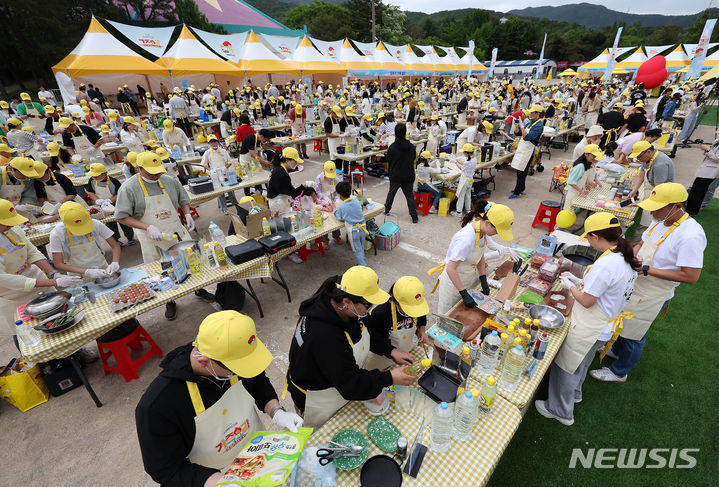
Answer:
(468, 135)
(611, 281)
(462, 244)
(60, 243)
(684, 247)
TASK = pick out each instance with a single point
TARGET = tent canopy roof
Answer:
(189, 56)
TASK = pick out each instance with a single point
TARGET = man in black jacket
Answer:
(401, 156)
(202, 374)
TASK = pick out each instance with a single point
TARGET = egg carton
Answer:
(129, 296)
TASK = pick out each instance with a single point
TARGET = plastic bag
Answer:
(267, 459)
(23, 389)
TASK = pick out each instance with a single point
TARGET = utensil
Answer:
(548, 316)
(416, 441)
(380, 471)
(326, 455)
(47, 304)
(559, 247)
(401, 452)
(351, 437)
(521, 273)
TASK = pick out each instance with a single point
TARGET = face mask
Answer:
(148, 180)
(211, 369)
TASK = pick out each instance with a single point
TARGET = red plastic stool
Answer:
(116, 343)
(318, 145)
(547, 214)
(423, 202)
(193, 214)
(306, 250)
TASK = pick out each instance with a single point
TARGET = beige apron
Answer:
(321, 405)
(15, 262)
(83, 145)
(433, 140)
(222, 430)
(404, 340)
(55, 194)
(103, 192)
(159, 212)
(570, 193)
(216, 161)
(525, 151)
(467, 270)
(247, 158)
(650, 293)
(11, 192)
(174, 138)
(34, 119)
(88, 255)
(334, 142)
(462, 118)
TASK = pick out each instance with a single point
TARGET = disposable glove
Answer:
(112, 268)
(155, 233)
(95, 273)
(288, 420)
(467, 299)
(61, 280)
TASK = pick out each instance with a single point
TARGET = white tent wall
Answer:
(108, 83)
(67, 89)
(199, 80)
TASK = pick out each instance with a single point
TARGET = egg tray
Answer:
(139, 296)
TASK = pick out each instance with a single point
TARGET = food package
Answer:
(549, 271)
(539, 259)
(530, 297)
(267, 459)
(561, 300)
(539, 286)
(471, 318)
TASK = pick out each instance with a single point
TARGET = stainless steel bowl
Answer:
(109, 281)
(548, 316)
(183, 245)
(47, 304)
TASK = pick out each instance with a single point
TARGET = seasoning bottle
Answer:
(418, 367)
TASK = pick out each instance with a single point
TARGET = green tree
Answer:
(325, 21)
(188, 13)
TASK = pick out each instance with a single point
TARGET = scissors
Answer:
(326, 456)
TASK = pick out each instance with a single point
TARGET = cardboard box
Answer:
(249, 225)
(509, 285)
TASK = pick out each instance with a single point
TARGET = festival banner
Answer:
(700, 54)
(612, 56)
(493, 63)
(151, 39)
(541, 58)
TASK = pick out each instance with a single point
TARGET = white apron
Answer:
(11, 192)
(216, 161)
(15, 262)
(159, 212)
(83, 145)
(462, 118)
(433, 139)
(650, 293)
(525, 151)
(34, 119)
(586, 326)
(334, 142)
(222, 430)
(88, 255)
(55, 194)
(247, 157)
(103, 192)
(174, 138)
(404, 340)
(467, 270)
(225, 129)
(321, 405)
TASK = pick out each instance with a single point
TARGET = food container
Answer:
(379, 405)
(539, 259)
(47, 305)
(109, 281)
(549, 271)
(129, 296)
(539, 286)
(548, 317)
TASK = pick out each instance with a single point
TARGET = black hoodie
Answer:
(325, 358)
(165, 418)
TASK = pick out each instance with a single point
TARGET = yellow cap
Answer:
(599, 221)
(298, 109)
(14, 121)
(25, 96)
(488, 126)
(167, 123)
(75, 115)
(8, 215)
(86, 109)
(291, 153)
(7, 148)
(618, 106)
(664, 194)
(380, 115)
(4, 104)
(162, 152)
(434, 117)
(443, 155)
(130, 120)
(49, 109)
(132, 158)
(536, 108)
(212, 137)
(465, 350)
(150, 162)
(426, 363)
(363, 282)
(475, 392)
(247, 199)
(40, 167)
(112, 114)
(330, 169)
(27, 129)
(425, 154)
(64, 122)
(491, 380)
(237, 112)
(230, 338)
(153, 143)
(25, 165)
(594, 150)
(105, 129)
(639, 147)
(368, 116)
(409, 292)
(76, 218)
(96, 169)
(535, 322)
(337, 110)
(502, 217)
(468, 148)
(349, 111)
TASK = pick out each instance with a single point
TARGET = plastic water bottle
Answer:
(512, 369)
(209, 257)
(418, 367)
(295, 225)
(464, 417)
(475, 351)
(442, 420)
(490, 350)
(216, 234)
(503, 346)
(487, 395)
(26, 334)
(215, 178)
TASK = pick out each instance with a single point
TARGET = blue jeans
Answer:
(426, 188)
(710, 192)
(358, 236)
(628, 352)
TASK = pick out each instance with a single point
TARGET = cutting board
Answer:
(568, 301)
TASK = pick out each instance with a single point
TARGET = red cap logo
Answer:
(12, 208)
(418, 297)
(251, 340)
(78, 221)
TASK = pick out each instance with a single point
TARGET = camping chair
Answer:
(559, 176)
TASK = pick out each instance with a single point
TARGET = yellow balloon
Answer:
(566, 218)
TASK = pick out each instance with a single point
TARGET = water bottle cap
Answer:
(443, 405)
(465, 350)
(518, 347)
(475, 393)
(490, 381)
(494, 333)
(18, 322)
(468, 394)
(505, 336)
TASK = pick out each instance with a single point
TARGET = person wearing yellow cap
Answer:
(32, 113)
(130, 135)
(298, 120)
(6, 153)
(335, 125)
(467, 163)
(54, 188)
(598, 314)
(463, 108)
(52, 119)
(657, 168)
(172, 136)
(398, 325)
(25, 142)
(129, 166)
(331, 344)
(269, 111)
(280, 188)
(205, 389)
(148, 202)
(229, 120)
(613, 124)
(24, 270)
(531, 134)
(217, 159)
(251, 149)
(102, 189)
(80, 139)
(580, 179)
(426, 168)
(180, 113)
(17, 184)
(78, 244)
(671, 252)
(465, 254)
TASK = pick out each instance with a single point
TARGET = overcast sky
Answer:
(666, 7)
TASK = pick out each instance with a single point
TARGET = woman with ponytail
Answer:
(597, 316)
(465, 256)
(330, 345)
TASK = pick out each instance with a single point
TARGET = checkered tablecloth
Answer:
(467, 463)
(588, 202)
(99, 319)
(253, 179)
(287, 142)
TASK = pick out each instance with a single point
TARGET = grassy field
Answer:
(668, 401)
(711, 115)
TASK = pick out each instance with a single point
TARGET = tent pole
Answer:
(149, 88)
(172, 80)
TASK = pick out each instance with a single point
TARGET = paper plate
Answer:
(350, 438)
(384, 434)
